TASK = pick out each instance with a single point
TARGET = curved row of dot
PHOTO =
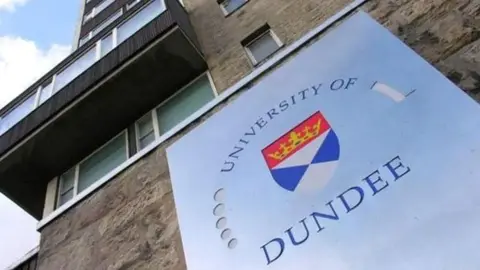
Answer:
(221, 224)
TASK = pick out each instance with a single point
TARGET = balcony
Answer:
(94, 94)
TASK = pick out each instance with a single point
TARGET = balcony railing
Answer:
(97, 51)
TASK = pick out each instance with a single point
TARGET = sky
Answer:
(34, 36)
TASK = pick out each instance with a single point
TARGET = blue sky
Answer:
(46, 22)
(34, 36)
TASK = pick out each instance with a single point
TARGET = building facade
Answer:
(83, 149)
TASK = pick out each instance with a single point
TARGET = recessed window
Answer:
(261, 44)
(184, 104)
(107, 22)
(102, 162)
(139, 20)
(14, 116)
(100, 27)
(96, 10)
(66, 188)
(106, 45)
(145, 131)
(45, 92)
(148, 128)
(132, 4)
(75, 68)
(229, 6)
(92, 169)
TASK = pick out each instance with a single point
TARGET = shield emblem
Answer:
(305, 157)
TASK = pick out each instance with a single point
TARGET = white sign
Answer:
(356, 154)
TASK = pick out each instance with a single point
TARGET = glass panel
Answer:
(84, 40)
(75, 69)
(132, 4)
(103, 5)
(263, 47)
(88, 17)
(139, 20)
(146, 133)
(107, 22)
(146, 140)
(107, 45)
(17, 114)
(232, 5)
(46, 92)
(67, 180)
(65, 197)
(102, 162)
(184, 104)
(145, 125)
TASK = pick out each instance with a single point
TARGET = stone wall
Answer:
(445, 32)
(131, 222)
(220, 36)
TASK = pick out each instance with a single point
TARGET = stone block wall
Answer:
(444, 32)
(131, 222)
(220, 36)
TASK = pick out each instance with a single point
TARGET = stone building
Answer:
(83, 149)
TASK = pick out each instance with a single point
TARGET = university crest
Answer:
(305, 157)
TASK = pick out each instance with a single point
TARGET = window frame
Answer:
(90, 34)
(89, 16)
(131, 4)
(124, 132)
(82, 41)
(156, 130)
(224, 10)
(77, 169)
(35, 93)
(274, 36)
(18, 104)
(54, 80)
(154, 115)
(135, 13)
(60, 186)
(210, 80)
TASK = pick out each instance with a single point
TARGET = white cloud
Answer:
(9, 5)
(17, 231)
(22, 62)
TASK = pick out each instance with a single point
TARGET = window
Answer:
(93, 168)
(84, 40)
(229, 6)
(102, 162)
(66, 187)
(100, 27)
(145, 131)
(103, 5)
(261, 44)
(140, 19)
(16, 114)
(106, 45)
(96, 10)
(45, 92)
(132, 4)
(107, 22)
(185, 103)
(74, 69)
(89, 16)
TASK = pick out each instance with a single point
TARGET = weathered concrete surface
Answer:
(131, 222)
